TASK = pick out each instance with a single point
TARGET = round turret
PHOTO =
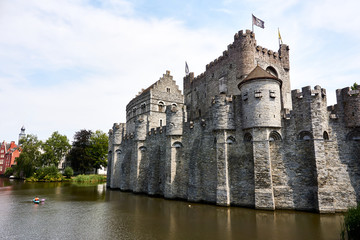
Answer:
(351, 104)
(261, 99)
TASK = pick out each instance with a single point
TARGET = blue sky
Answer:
(75, 64)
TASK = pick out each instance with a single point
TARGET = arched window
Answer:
(160, 122)
(143, 107)
(325, 136)
(230, 140)
(173, 106)
(272, 71)
(354, 136)
(161, 105)
(142, 148)
(177, 145)
(274, 136)
(305, 135)
(247, 137)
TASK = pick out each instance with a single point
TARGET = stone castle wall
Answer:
(222, 146)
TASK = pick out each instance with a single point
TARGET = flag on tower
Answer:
(280, 40)
(186, 69)
(258, 22)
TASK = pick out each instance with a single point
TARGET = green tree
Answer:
(78, 155)
(355, 86)
(30, 157)
(55, 148)
(68, 172)
(97, 149)
(8, 172)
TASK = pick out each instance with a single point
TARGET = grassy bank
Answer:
(92, 178)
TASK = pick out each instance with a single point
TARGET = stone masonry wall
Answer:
(217, 148)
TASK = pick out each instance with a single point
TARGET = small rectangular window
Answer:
(245, 96)
(222, 85)
(258, 94)
(168, 90)
(272, 94)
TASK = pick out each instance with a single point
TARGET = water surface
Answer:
(83, 211)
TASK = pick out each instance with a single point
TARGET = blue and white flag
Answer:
(258, 22)
(186, 69)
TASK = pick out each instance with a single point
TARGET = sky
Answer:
(74, 64)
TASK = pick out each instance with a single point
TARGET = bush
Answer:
(47, 174)
(68, 172)
(90, 178)
(351, 225)
(8, 172)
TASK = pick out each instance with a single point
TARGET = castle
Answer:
(239, 136)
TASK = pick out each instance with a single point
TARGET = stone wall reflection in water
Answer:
(77, 211)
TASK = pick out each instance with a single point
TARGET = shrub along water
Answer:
(46, 174)
(351, 225)
(68, 172)
(90, 178)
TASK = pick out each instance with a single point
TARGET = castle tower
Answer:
(175, 165)
(312, 124)
(113, 170)
(224, 124)
(261, 99)
(350, 103)
(138, 176)
(261, 110)
(246, 46)
(22, 134)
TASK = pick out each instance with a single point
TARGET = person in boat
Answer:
(36, 199)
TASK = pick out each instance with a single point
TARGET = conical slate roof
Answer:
(258, 73)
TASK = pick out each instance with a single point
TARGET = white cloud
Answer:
(117, 56)
(67, 65)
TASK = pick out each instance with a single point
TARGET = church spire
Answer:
(22, 134)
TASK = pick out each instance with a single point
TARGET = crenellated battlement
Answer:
(307, 92)
(241, 39)
(270, 53)
(241, 35)
(349, 101)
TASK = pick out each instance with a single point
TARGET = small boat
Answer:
(36, 201)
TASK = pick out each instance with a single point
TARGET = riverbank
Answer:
(91, 178)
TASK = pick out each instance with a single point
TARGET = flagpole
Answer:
(252, 22)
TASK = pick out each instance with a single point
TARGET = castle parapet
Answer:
(350, 103)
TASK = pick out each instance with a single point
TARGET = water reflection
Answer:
(83, 211)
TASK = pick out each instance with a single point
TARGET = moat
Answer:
(83, 211)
